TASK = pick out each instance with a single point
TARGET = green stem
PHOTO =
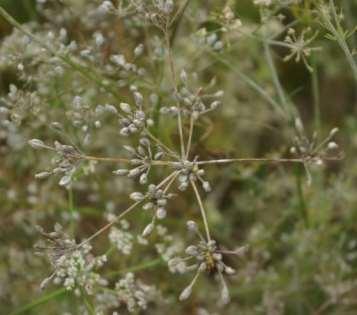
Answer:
(40, 301)
(301, 198)
(252, 84)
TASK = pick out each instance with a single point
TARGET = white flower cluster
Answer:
(194, 103)
(191, 171)
(76, 270)
(74, 267)
(313, 151)
(134, 294)
(121, 238)
(208, 40)
(141, 159)
(66, 162)
(134, 120)
(168, 246)
(203, 257)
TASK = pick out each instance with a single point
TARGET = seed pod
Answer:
(37, 144)
(65, 180)
(134, 172)
(148, 230)
(143, 179)
(161, 213)
(125, 107)
(42, 175)
(121, 172)
(137, 196)
(192, 226)
(185, 294)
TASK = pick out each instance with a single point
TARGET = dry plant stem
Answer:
(202, 209)
(281, 94)
(179, 12)
(252, 160)
(208, 162)
(118, 160)
(174, 82)
(159, 142)
(107, 226)
(192, 123)
(124, 213)
(171, 181)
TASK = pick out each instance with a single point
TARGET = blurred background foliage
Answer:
(302, 239)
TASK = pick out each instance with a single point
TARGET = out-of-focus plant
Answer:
(139, 84)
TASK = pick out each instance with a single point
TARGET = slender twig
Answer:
(207, 162)
(202, 209)
(174, 83)
(121, 215)
(179, 12)
(111, 223)
(160, 143)
(267, 160)
(192, 123)
(284, 103)
(119, 160)
(171, 181)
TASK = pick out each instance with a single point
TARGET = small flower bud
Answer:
(192, 226)
(125, 107)
(229, 270)
(333, 131)
(161, 213)
(332, 145)
(183, 76)
(206, 186)
(139, 50)
(185, 294)
(134, 172)
(37, 144)
(121, 172)
(191, 250)
(215, 104)
(143, 179)
(148, 230)
(137, 196)
(65, 180)
(42, 175)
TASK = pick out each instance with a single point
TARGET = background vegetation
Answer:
(302, 239)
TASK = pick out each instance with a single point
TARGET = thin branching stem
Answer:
(202, 209)
(190, 134)
(174, 83)
(119, 160)
(123, 214)
(110, 224)
(265, 160)
(284, 102)
(160, 143)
